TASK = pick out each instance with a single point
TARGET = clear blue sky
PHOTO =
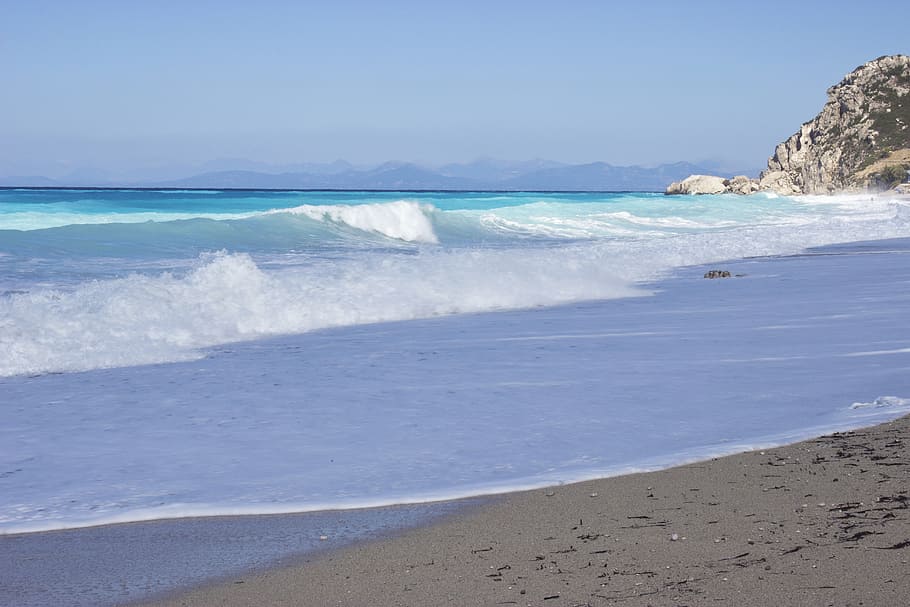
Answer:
(126, 84)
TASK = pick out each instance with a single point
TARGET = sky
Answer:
(127, 85)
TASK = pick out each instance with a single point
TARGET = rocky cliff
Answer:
(865, 121)
(860, 140)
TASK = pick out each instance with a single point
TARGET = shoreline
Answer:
(132, 562)
(123, 563)
(216, 554)
(826, 520)
(452, 502)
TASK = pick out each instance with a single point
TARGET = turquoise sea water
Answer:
(64, 237)
(172, 353)
(100, 278)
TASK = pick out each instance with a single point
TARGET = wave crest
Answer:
(402, 219)
(228, 297)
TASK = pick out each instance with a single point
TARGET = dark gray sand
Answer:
(821, 522)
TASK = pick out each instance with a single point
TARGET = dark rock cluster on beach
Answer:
(859, 141)
(717, 274)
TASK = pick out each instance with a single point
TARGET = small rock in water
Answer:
(717, 274)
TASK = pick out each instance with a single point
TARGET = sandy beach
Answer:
(781, 345)
(820, 522)
(426, 304)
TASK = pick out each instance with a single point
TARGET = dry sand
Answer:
(821, 522)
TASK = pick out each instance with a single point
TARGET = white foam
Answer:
(230, 297)
(555, 227)
(883, 401)
(669, 221)
(684, 215)
(402, 219)
(149, 319)
(879, 352)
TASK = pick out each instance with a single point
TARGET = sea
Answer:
(175, 353)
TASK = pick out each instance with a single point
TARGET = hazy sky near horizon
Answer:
(121, 86)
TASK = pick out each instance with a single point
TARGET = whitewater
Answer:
(169, 353)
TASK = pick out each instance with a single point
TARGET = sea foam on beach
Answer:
(119, 286)
(173, 353)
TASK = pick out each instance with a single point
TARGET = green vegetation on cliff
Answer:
(857, 140)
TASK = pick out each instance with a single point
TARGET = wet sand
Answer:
(821, 522)
(113, 565)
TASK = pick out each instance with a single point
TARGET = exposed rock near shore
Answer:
(699, 184)
(711, 184)
(742, 185)
(780, 182)
(859, 141)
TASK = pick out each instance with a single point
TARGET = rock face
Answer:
(860, 140)
(866, 119)
(698, 184)
(742, 185)
(780, 182)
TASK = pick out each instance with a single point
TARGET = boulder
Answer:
(717, 274)
(698, 184)
(779, 182)
(742, 185)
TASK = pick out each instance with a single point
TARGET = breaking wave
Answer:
(227, 297)
(309, 267)
(402, 219)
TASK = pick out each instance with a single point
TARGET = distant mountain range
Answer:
(483, 174)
